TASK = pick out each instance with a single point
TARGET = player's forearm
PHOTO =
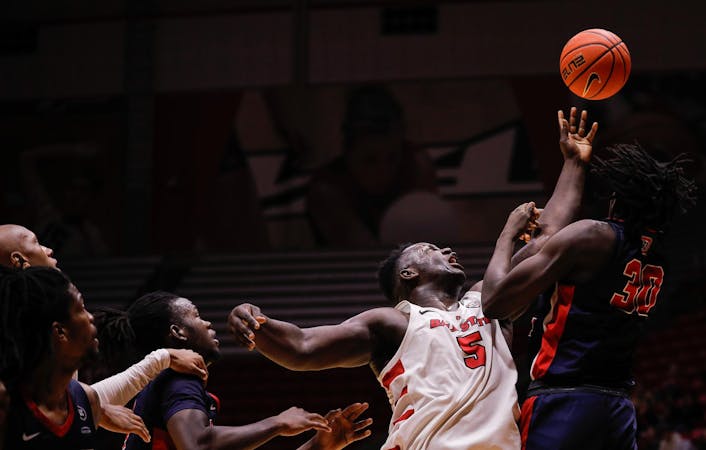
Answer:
(283, 343)
(562, 208)
(242, 438)
(498, 268)
(120, 388)
(564, 204)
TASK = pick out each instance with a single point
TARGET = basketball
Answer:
(595, 64)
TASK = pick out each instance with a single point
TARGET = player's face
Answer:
(201, 338)
(35, 253)
(431, 260)
(82, 333)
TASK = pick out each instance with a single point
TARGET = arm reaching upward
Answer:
(576, 146)
(575, 253)
(521, 221)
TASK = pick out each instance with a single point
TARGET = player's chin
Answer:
(213, 355)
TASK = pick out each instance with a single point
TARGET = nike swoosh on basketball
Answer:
(591, 78)
(28, 437)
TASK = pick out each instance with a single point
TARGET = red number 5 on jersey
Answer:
(475, 352)
(640, 292)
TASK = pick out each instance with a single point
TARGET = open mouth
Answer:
(453, 262)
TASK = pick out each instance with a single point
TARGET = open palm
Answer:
(576, 142)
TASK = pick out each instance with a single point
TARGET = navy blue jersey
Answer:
(587, 333)
(29, 429)
(165, 396)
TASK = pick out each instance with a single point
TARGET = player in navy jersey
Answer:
(178, 410)
(49, 333)
(599, 280)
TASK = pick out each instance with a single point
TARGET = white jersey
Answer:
(451, 383)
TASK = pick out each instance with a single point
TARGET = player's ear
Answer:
(408, 273)
(18, 260)
(177, 333)
(59, 332)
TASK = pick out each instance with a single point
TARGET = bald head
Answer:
(19, 247)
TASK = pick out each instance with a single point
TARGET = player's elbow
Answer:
(206, 440)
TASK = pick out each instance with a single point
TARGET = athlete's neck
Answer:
(433, 297)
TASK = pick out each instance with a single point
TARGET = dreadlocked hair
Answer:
(144, 326)
(30, 301)
(648, 193)
(387, 272)
(116, 337)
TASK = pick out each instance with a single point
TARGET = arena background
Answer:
(186, 135)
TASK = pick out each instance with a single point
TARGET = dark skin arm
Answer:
(344, 429)
(370, 337)
(576, 144)
(521, 221)
(115, 418)
(190, 429)
(574, 254)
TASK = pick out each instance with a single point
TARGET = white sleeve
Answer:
(120, 388)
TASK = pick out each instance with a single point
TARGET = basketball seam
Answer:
(594, 61)
(612, 66)
(622, 57)
(603, 36)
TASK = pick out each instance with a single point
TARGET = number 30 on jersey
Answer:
(641, 290)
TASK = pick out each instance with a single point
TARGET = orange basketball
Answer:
(595, 64)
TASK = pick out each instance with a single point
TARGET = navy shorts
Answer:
(577, 419)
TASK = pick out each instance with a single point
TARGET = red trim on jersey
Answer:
(405, 415)
(563, 297)
(215, 399)
(394, 372)
(525, 419)
(161, 440)
(57, 430)
(404, 391)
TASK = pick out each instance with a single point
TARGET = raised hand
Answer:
(522, 221)
(243, 320)
(188, 362)
(344, 428)
(576, 142)
(120, 419)
(296, 420)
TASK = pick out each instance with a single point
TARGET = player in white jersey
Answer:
(446, 366)
(451, 383)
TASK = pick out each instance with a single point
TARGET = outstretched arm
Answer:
(574, 253)
(576, 144)
(348, 344)
(120, 388)
(344, 429)
(191, 429)
(115, 418)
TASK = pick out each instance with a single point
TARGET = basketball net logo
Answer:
(593, 76)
